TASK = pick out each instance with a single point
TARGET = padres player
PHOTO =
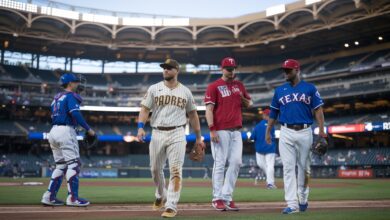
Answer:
(169, 101)
(65, 110)
(293, 102)
(224, 99)
(265, 153)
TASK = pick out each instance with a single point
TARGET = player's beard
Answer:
(168, 78)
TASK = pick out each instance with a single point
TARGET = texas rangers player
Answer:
(65, 110)
(169, 101)
(265, 153)
(224, 99)
(293, 102)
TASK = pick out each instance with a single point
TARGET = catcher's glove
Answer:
(320, 146)
(90, 141)
(197, 152)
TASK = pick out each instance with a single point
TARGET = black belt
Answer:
(167, 128)
(63, 124)
(232, 129)
(296, 127)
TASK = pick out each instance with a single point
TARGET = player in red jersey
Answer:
(224, 99)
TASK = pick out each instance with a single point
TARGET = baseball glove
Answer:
(320, 146)
(197, 152)
(90, 141)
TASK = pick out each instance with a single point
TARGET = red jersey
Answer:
(226, 98)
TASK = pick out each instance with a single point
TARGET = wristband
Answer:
(141, 125)
(212, 128)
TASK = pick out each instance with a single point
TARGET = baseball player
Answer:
(66, 115)
(265, 153)
(169, 102)
(293, 104)
(224, 99)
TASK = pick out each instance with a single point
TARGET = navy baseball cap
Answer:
(69, 77)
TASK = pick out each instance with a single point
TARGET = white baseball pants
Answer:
(229, 149)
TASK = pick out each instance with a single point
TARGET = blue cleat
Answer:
(289, 210)
(303, 207)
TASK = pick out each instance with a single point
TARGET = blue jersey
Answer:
(63, 105)
(258, 135)
(295, 104)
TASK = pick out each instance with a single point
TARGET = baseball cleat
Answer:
(303, 207)
(79, 202)
(219, 205)
(271, 186)
(169, 213)
(158, 204)
(231, 206)
(289, 210)
(52, 202)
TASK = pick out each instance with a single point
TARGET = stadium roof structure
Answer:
(306, 27)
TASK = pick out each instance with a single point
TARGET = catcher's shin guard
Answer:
(72, 176)
(50, 196)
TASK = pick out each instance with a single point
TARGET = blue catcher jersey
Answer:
(63, 105)
(295, 104)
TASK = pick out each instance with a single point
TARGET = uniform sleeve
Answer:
(191, 105)
(211, 95)
(147, 101)
(316, 99)
(73, 103)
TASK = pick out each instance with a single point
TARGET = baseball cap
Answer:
(170, 63)
(228, 62)
(291, 64)
(68, 77)
(266, 111)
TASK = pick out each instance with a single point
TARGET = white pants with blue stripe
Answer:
(294, 148)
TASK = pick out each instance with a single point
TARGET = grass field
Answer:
(370, 189)
(121, 191)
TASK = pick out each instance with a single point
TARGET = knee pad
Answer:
(72, 176)
(56, 179)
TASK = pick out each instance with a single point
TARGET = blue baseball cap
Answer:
(68, 77)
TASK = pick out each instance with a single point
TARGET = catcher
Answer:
(66, 115)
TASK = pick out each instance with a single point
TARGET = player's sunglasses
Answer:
(230, 69)
(287, 71)
(167, 68)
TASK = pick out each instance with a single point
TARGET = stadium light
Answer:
(380, 38)
(19, 6)
(356, 43)
(274, 10)
(309, 2)
(346, 45)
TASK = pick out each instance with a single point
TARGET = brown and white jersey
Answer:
(168, 106)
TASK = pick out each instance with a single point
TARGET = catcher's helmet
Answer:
(69, 77)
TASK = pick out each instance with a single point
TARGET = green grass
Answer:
(360, 189)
